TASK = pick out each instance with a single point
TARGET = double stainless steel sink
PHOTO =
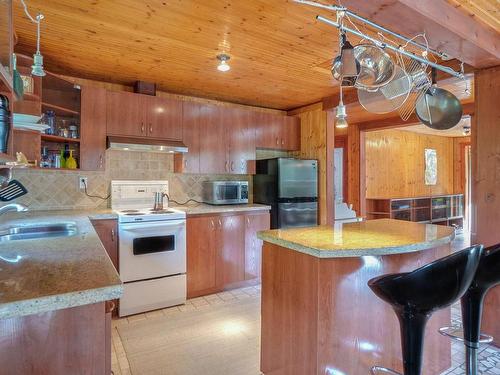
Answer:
(27, 232)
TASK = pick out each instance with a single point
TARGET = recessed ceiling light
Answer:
(223, 65)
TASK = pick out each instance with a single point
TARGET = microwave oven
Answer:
(225, 192)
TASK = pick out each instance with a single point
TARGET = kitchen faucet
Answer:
(13, 207)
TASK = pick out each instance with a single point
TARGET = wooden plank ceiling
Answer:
(276, 46)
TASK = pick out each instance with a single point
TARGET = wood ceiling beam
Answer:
(396, 122)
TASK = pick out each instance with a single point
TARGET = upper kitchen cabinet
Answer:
(93, 128)
(240, 140)
(163, 117)
(124, 115)
(213, 149)
(136, 115)
(277, 132)
(192, 121)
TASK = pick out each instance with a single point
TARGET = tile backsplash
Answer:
(52, 189)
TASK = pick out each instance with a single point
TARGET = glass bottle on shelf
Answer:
(62, 159)
(45, 160)
(49, 118)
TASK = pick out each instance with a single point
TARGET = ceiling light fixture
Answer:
(223, 65)
(341, 115)
(37, 67)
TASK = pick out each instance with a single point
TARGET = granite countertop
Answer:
(372, 237)
(203, 209)
(41, 275)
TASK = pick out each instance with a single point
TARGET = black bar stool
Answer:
(486, 277)
(415, 295)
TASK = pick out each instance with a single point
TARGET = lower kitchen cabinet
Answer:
(223, 251)
(231, 257)
(253, 246)
(201, 245)
(107, 230)
(75, 340)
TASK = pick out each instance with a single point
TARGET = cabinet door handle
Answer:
(220, 223)
(113, 235)
(185, 163)
(150, 128)
(213, 225)
(282, 142)
(142, 127)
(100, 161)
(232, 166)
(277, 141)
(226, 166)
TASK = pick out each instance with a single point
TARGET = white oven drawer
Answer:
(152, 249)
(141, 296)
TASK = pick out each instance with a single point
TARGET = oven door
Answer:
(152, 249)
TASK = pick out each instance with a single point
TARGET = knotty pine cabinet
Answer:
(136, 115)
(223, 251)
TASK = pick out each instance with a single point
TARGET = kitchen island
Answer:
(318, 314)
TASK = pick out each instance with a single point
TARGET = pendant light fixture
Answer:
(347, 58)
(37, 67)
(341, 115)
(223, 65)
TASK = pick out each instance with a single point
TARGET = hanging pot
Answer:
(376, 67)
(438, 108)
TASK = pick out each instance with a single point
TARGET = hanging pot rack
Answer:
(344, 11)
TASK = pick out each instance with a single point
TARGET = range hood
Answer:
(146, 145)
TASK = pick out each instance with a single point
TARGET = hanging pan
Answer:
(377, 67)
(438, 108)
(388, 98)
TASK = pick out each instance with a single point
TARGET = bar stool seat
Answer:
(486, 277)
(415, 295)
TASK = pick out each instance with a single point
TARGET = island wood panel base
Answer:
(69, 341)
(320, 317)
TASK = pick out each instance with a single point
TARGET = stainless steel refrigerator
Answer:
(290, 187)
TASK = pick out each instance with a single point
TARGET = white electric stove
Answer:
(152, 248)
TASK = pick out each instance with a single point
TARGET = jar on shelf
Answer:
(45, 161)
(73, 131)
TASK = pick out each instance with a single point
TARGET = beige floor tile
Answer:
(198, 302)
(154, 314)
(136, 318)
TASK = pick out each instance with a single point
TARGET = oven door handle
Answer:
(147, 226)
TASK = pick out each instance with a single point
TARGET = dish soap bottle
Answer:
(70, 161)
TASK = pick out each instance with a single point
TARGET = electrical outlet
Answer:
(82, 182)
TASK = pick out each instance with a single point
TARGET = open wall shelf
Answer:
(440, 210)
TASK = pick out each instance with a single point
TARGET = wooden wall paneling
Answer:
(313, 145)
(93, 129)
(486, 180)
(28, 142)
(69, 341)
(191, 122)
(395, 164)
(124, 115)
(330, 147)
(354, 141)
(292, 133)
(459, 160)
(202, 250)
(213, 148)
